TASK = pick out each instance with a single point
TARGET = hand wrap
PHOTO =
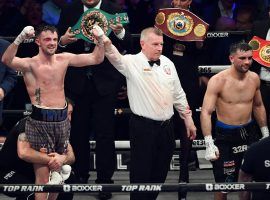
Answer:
(211, 151)
(265, 131)
(99, 33)
(27, 32)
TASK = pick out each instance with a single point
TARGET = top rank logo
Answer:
(23, 188)
(267, 186)
(128, 188)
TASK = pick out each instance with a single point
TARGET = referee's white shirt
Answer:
(152, 91)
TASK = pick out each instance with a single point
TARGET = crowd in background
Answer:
(237, 14)
(95, 90)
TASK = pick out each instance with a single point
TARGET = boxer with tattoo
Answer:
(47, 128)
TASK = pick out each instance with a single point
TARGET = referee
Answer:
(153, 90)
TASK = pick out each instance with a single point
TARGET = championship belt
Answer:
(261, 50)
(82, 29)
(181, 24)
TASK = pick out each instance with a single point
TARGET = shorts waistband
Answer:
(220, 124)
(49, 115)
(156, 122)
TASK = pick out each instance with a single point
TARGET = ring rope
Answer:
(117, 111)
(125, 144)
(15, 111)
(158, 187)
(211, 69)
(210, 34)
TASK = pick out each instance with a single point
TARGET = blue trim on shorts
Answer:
(228, 126)
(49, 115)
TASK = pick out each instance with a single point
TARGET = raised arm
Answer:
(208, 107)
(81, 60)
(259, 111)
(9, 57)
(94, 58)
(111, 51)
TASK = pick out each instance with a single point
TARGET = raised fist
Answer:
(97, 31)
(27, 32)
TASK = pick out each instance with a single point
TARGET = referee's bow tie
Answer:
(151, 62)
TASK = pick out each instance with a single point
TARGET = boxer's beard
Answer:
(49, 52)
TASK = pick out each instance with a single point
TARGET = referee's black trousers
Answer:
(151, 147)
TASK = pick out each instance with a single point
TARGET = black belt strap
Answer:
(49, 115)
(156, 122)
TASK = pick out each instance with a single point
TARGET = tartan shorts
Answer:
(48, 136)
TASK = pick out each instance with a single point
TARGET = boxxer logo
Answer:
(208, 187)
(66, 188)
(218, 187)
(217, 35)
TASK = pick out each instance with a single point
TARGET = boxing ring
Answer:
(124, 145)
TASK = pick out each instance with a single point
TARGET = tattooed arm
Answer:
(26, 153)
